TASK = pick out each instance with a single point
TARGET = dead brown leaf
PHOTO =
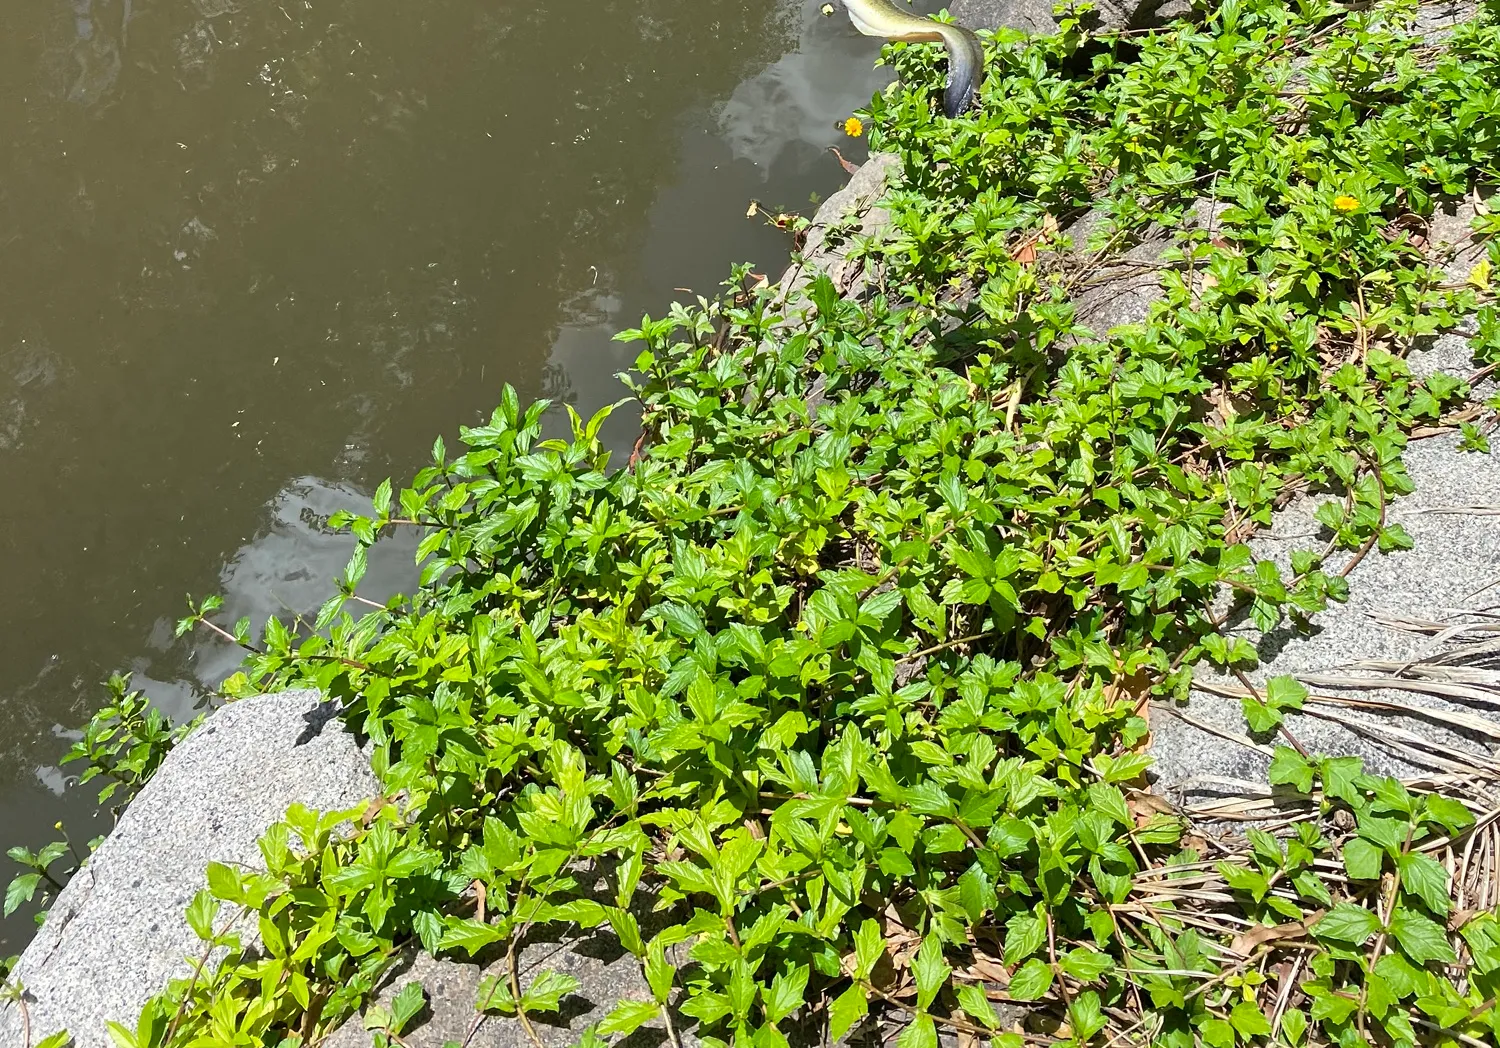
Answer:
(848, 167)
(989, 970)
(1146, 806)
(1245, 942)
(1460, 918)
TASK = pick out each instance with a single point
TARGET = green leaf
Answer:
(21, 889)
(1260, 716)
(406, 1005)
(977, 1006)
(1109, 800)
(468, 935)
(1024, 935)
(1290, 768)
(629, 1016)
(1348, 923)
(930, 969)
(60, 1039)
(1032, 980)
(848, 1008)
(224, 882)
(1086, 1015)
(895, 863)
(494, 995)
(1335, 1007)
(786, 993)
(921, 1033)
(1247, 1018)
(1422, 938)
(1452, 815)
(1244, 879)
(1285, 693)
(1340, 777)
(1085, 964)
(201, 913)
(1217, 1033)
(1426, 879)
(547, 991)
(869, 947)
(1363, 861)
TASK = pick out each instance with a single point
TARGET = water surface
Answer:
(255, 255)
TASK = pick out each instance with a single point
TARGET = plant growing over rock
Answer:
(848, 673)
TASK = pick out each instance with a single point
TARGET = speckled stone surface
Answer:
(117, 933)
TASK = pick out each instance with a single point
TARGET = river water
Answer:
(256, 254)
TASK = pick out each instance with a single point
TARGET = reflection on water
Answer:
(255, 256)
(796, 99)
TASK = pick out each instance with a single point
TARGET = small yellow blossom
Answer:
(853, 127)
(1344, 202)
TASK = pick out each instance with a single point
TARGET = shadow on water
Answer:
(255, 256)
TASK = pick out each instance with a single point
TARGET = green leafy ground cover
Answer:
(855, 693)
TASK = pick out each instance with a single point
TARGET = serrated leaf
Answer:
(201, 913)
(1428, 880)
(869, 946)
(786, 993)
(1259, 716)
(1348, 923)
(629, 1016)
(921, 1033)
(406, 1005)
(1024, 935)
(1032, 980)
(1452, 815)
(1422, 938)
(848, 1008)
(1085, 964)
(547, 991)
(1363, 861)
(930, 969)
(21, 889)
(1249, 1020)
(1285, 693)
(468, 935)
(1217, 1033)
(977, 1006)
(1290, 768)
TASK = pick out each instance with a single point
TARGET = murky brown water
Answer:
(256, 254)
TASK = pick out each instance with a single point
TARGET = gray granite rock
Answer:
(1035, 16)
(846, 216)
(606, 974)
(1455, 555)
(117, 934)
(1032, 16)
(1121, 286)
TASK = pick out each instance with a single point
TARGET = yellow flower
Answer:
(1344, 202)
(853, 128)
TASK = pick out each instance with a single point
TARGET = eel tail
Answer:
(965, 67)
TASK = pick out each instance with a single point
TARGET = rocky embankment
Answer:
(117, 933)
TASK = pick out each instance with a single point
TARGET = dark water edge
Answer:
(249, 269)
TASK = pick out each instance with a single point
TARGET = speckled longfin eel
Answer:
(882, 18)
